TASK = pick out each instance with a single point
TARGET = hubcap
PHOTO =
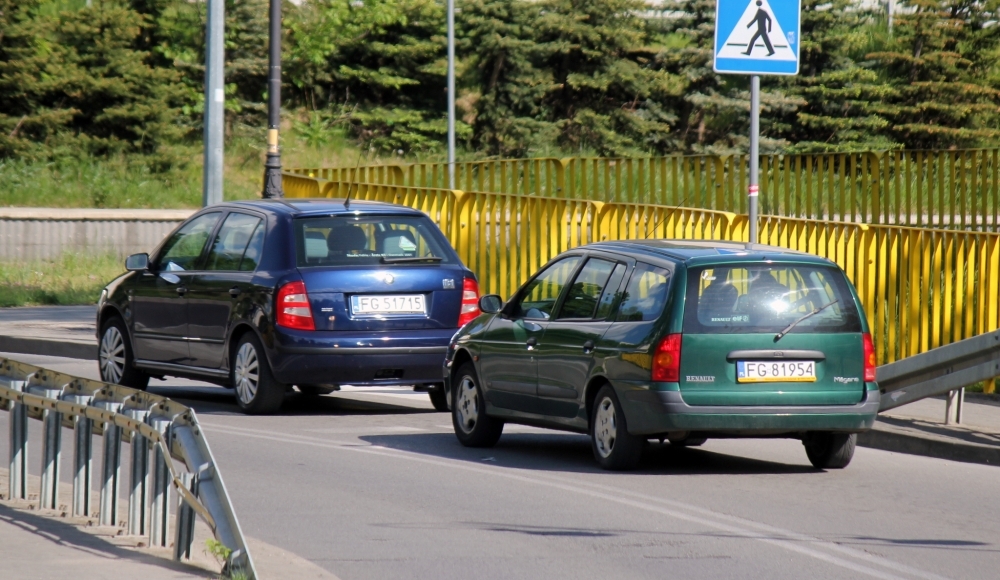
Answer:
(112, 355)
(605, 427)
(468, 404)
(246, 373)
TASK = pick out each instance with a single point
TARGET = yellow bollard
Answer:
(990, 386)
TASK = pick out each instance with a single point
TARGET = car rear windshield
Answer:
(766, 298)
(369, 240)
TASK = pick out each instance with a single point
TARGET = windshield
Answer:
(766, 298)
(369, 240)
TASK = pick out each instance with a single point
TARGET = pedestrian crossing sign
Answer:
(757, 37)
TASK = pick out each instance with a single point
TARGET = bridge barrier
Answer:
(945, 189)
(921, 288)
(159, 432)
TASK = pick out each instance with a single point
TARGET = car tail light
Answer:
(870, 360)
(470, 302)
(667, 360)
(293, 307)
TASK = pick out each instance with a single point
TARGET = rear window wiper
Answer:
(778, 336)
(386, 260)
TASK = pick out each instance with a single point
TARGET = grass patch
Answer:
(69, 279)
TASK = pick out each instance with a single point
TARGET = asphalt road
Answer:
(374, 485)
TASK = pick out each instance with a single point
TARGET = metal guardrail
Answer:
(159, 431)
(940, 370)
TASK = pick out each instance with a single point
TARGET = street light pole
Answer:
(451, 94)
(754, 190)
(215, 63)
(272, 166)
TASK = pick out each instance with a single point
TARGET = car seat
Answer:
(396, 243)
(346, 239)
(717, 301)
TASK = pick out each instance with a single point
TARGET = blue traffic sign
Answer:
(757, 37)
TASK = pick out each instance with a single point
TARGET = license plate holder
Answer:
(388, 304)
(786, 371)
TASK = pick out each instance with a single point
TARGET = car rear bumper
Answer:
(651, 412)
(397, 358)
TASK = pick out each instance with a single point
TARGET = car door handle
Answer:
(588, 347)
(531, 343)
(234, 291)
(182, 290)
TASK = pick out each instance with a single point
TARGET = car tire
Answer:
(115, 358)
(614, 447)
(257, 391)
(439, 398)
(830, 450)
(473, 427)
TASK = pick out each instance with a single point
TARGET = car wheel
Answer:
(257, 391)
(115, 358)
(614, 448)
(439, 398)
(473, 427)
(830, 450)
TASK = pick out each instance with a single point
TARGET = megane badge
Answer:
(388, 279)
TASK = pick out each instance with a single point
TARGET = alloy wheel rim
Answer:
(467, 405)
(246, 373)
(605, 427)
(112, 355)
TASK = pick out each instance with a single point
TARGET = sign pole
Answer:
(754, 189)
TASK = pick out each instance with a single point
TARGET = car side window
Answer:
(231, 242)
(182, 250)
(645, 295)
(585, 292)
(540, 295)
(612, 292)
(251, 258)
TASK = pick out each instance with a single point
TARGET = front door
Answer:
(222, 283)
(508, 357)
(159, 302)
(566, 353)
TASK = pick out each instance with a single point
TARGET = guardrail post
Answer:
(184, 525)
(83, 457)
(159, 512)
(112, 465)
(48, 493)
(138, 497)
(17, 482)
(954, 401)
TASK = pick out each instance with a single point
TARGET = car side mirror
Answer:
(490, 304)
(137, 263)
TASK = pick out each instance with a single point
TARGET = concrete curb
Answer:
(899, 442)
(18, 344)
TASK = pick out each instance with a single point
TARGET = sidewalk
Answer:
(917, 428)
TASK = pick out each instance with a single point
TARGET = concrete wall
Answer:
(45, 233)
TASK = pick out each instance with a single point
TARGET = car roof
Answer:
(304, 207)
(703, 252)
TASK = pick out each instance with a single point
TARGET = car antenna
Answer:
(669, 209)
(357, 166)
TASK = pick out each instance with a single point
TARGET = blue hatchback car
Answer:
(262, 295)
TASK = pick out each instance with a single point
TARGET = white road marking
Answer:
(364, 430)
(791, 540)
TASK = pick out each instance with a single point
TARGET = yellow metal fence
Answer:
(951, 189)
(921, 288)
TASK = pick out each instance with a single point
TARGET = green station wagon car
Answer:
(670, 339)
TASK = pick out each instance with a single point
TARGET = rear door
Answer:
(224, 279)
(566, 351)
(732, 354)
(379, 273)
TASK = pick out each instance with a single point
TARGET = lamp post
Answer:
(451, 94)
(215, 95)
(272, 166)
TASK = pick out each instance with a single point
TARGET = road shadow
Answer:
(212, 400)
(568, 452)
(52, 532)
